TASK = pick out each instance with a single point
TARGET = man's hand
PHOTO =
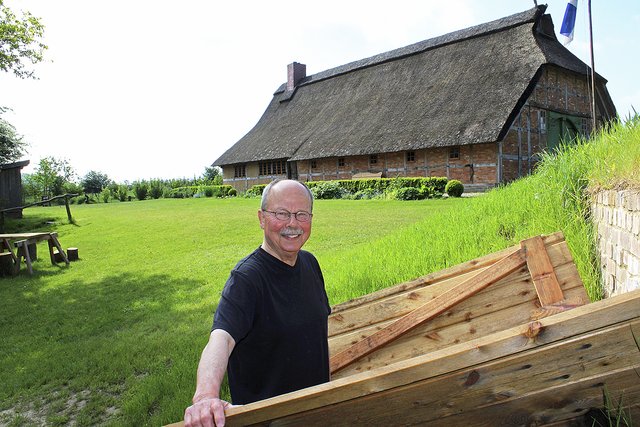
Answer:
(206, 412)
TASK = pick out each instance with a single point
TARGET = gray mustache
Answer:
(291, 232)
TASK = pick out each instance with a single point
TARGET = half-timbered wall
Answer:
(558, 91)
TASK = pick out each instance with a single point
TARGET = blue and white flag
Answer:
(569, 21)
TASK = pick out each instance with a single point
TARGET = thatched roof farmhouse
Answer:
(476, 105)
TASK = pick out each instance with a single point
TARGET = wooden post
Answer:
(66, 204)
(33, 250)
(27, 257)
(7, 266)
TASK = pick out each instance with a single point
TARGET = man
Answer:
(270, 328)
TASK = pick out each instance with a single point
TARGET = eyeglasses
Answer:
(301, 216)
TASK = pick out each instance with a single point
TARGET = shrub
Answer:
(408, 193)
(123, 192)
(327, 190)
(199, 191)
(426, 192)
(367, 193)
(105, 195)
(167, 193)
(141, 189)
(435, 185)
(155, 189)
(454, 188)
(256, 190)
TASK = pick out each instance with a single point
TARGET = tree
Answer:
(20, 40)
(51, 176)
(12, 146)
(212, 175)
(94, 182)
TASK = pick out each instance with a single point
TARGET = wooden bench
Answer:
(22, 242)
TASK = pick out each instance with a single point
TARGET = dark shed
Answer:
(11, 186)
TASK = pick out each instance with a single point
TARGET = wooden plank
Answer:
(7, 245)
(430, 337)
(399, 303)
(547, 369)
(514, 290)
(54, 238)
(475, 284)
(542, 273)
(556, 406)
(552, 329)
(24, 244)
(15, 236)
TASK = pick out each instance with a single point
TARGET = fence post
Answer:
(66, 205)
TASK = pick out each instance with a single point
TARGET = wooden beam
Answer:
(542, 273)
(431, 309)
(464, 358)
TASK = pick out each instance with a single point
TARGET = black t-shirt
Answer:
(277, 315)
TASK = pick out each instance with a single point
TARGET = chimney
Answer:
(295, 73)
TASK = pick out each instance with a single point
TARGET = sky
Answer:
(142, 89)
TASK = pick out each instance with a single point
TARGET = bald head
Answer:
(284, 185)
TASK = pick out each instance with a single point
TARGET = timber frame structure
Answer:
(478, 105)
(506, 339)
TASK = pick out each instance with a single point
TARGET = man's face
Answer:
(283, 239)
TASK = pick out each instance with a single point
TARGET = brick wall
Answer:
(617, 217)
(476, 165)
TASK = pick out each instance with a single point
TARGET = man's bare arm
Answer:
(208, 409)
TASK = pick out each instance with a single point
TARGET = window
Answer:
(240, 171)
(373, 159)
(340, 162)
(277, 167)
(454, 152)
(411, 156)
(314, 164)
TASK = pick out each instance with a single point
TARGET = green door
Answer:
(562, 128)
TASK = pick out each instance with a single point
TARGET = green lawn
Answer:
(115, 338)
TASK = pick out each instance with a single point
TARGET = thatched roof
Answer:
(460, 88)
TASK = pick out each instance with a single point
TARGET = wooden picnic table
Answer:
(23, 240)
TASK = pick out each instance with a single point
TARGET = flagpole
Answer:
(593, 73)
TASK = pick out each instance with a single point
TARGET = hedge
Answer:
(380, 185)
(202, 191)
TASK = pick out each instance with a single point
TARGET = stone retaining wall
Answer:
(617, 216)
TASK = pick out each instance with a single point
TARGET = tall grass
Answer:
(554, 198)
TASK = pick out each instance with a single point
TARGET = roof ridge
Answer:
(490, 27)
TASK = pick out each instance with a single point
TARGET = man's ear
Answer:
(261, 218)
